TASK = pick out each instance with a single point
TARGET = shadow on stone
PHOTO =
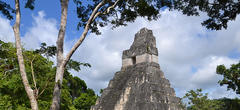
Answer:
(140, 85)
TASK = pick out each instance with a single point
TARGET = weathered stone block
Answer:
(140, 85)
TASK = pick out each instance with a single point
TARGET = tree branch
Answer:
(16, 29)
(35, 91)
(61, 33)
(86, 29)
(96, 15)
(33, 76)
(106, 11)
(83, 36)
(44, 87)
(111, 7)
(56, 101)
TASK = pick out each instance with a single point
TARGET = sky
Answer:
(188, 52)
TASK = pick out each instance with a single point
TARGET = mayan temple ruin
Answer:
(140, 84)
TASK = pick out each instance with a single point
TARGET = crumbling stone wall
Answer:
(140, 85)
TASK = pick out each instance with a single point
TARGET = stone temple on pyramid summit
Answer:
(140, 84)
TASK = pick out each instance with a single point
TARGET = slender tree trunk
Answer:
(60, 58)
(61, 61)
(27, 87)
(93, 16)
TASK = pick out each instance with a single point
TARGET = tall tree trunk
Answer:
(16, 29)
(60, 58)
(61, 61)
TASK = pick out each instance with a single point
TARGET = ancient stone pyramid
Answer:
(140, 85)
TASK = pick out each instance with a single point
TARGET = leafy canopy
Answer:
(13, 95)
(219, 12)
(231, 77)
(125, 11)
(199, 101)
(7, 10)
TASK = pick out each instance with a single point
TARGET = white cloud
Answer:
(206, 76)
(188, 53)
(220, 92)
(42, 30)
(6, 31)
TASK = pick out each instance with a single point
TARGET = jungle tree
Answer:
(98, 13)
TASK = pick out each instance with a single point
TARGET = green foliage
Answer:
(76, 94)
(12, 92)
(30, 4)
(101, 91)
(230, 104)
(199, 101)
(220, 12)
(126, 11)
(182, 105)
(11, 87)
(231, 77)
(48, 51)
(75, 65)
(84, 101)
(7, 10)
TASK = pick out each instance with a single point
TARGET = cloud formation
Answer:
(6, 31)
(42, 30)
(188, 53)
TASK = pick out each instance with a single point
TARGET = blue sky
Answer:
(52, 9)
(188, 52)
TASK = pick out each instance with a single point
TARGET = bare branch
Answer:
(106, 11)
(98, 13)
(44, 87)
(83, 36)
(111, 7)
(33, 76)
